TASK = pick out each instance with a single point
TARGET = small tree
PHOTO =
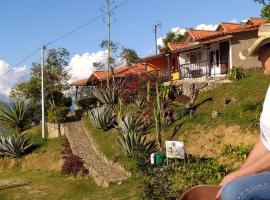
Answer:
(129, 55)
(265, 12)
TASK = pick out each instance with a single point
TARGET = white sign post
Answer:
(175, 149)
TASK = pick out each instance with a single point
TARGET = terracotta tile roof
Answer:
(217, 39)
(79, 82)
(256, 21)
(119, 72)
(225, 26)
(130, 69)
(178, 45)
(100, 75)
(202, 34)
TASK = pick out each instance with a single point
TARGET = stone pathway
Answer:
(103, 170)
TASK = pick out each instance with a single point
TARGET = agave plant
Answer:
(132, 122)
(133, 143)
(108, 95)
(17, 115)
(103, 117)
(140, 102)
(13, 146)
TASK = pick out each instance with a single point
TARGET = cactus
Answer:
(159, 119)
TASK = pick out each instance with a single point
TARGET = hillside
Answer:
(226, 139)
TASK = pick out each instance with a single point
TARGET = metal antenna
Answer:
(155, 30)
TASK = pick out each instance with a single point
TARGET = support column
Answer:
(179, 68)
(76, 94)
(169, 66)
(209, 60)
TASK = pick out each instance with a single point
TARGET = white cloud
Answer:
(81, 66)
(175, 30)
(178, 30)
(208, 27)
(15, 75)
(233, 21)
(160, 41)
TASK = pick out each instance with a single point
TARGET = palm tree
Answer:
(18, 115)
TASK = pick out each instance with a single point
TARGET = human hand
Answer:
(227, 179)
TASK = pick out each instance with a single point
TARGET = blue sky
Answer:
(27, 24)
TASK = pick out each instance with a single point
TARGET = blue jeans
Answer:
(253, 187)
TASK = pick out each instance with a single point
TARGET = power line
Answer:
(66, 34)
(86, 24)
(20, 62)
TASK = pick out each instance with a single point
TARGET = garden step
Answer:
(103, 170)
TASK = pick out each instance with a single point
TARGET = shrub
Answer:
(177, 176)
(108, 95)
(17, 115)
(13, 146)
(88, 102)
(134, 144)
(72, 165)
(140, 102)
(103, 117)
(239, 152)
(158, 185)
(57, 114)
(132, 122)
(236, 73)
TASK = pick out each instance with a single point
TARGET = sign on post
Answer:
(175, 149)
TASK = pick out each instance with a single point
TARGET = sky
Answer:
(28, 24)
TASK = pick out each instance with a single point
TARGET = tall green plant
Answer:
(134, 144)
(103, 117)
(13, 146)
(159, 118)
(132, 122)
(236, 73)
(108, 95)
(17, 115)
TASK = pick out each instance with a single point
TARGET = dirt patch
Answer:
(208, 143)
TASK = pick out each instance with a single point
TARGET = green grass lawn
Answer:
(42, 167)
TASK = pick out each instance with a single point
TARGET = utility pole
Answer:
(109, 40)
(42, 91)
(155, 30)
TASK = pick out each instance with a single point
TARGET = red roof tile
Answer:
(130, 69)
(202, 34)
(225, 26)
(101, 75)
(178, 45)
(256, 21)
(79, 82)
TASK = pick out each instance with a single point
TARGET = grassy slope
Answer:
(42, 168)
(202, 134)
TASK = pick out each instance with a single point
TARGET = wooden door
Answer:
(224, 48)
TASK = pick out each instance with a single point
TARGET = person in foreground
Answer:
(252, 180)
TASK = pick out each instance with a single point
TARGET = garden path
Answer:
(103, 170)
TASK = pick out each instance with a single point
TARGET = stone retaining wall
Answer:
(53, 130)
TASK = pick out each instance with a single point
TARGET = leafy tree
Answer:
(265, 12)
(55, 79)
(172, 37)
(129, 55)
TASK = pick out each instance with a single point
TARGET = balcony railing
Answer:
(195, 70)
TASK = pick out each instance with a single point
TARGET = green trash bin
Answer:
(159, 159)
